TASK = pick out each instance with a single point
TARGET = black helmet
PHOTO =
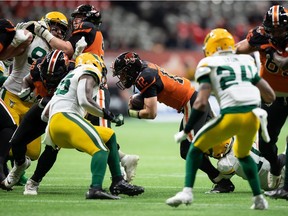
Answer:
(275, 24)
(127, 67)
(53, 68)
(89, 12)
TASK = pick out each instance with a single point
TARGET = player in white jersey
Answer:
(232, 78)
(228, 164)
(58, 25)
(67, 127)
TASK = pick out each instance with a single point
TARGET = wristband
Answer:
(134, 113)
(47, 36)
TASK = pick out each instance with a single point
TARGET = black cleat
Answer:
(123, 187)
(223, 186)
(94, 193)
(279, 193)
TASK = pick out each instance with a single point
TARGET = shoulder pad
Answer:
(146, 78)
(84, 27)
(201, 71)
(93, 71)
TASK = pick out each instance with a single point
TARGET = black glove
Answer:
(270, 52)
(108, 115)
(118, 120)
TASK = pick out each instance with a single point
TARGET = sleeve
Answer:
(145, 81)
(256, 37)
(85, 29)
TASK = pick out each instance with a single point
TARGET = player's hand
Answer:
(26, 95)
(80, 46)
(41, 31)
(108, 114)
(180, 136)
(118, 120)
(20, 37)
(280, 61)
(24, 25)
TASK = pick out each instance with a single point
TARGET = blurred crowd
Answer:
(150, 25)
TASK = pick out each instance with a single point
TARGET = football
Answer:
(136, 102)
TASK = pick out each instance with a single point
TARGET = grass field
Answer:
(160, 171)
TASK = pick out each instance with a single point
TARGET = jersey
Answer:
(21, 64)
(7, 33)
(93, 38)
(65, 96)
(232, 78)
(275, 76)
(173, 91)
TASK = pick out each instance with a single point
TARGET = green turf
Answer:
(160, 171)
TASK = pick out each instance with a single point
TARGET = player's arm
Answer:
(267, 93)
(149, 110)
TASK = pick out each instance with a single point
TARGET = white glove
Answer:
(281, 61)
(80, 46)
(24, 25)
(42, 31)
(180, 136)
(20, 37)
(27, 95)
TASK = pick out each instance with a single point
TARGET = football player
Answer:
(13, 42)
(72, 99)
(271, 40)
(58, 25)
(157, 85)
(38, 86)
(86, 21)
(238, 88)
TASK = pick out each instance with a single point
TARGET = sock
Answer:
(113, 159)
(45, 163)
(286, 171)
(98, 168)
(193, 161)
(250, 169)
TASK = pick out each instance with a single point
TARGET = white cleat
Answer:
(273, 181)
(183, 197)
(16, 173)
(130, 162)
(259, 203)
(31, 187)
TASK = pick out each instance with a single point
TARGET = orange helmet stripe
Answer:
(275, 15)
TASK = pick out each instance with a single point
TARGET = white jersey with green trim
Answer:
(65, 96)
(21, 64)
(231, 77)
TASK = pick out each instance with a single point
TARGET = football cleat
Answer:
(16, 173)
(279, 193)
(182, 197)
(259, 203)
(223, 186)
(130, 162)
(31, 187)
(273, 181)
(123, 187)
(94, 193)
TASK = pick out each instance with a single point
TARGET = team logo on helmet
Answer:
(130, 58)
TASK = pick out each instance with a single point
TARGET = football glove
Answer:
(26, 95)
(180, 136)
(42, 31)
(20, 37)
(80, 46)
(118, 120)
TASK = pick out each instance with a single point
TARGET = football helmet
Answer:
(56, 18)
(222, 149)
(218, 40)
(91, 59)
(127, 67)
(89, 12)
(275, 24)
(53, 68)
